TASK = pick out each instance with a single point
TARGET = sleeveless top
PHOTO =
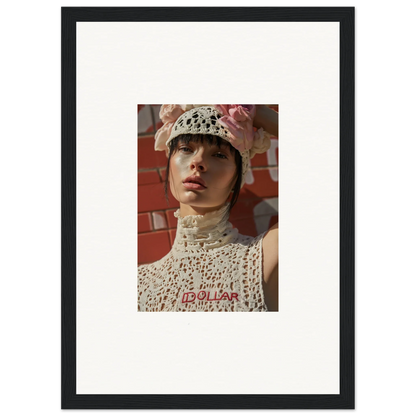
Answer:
(211, 267)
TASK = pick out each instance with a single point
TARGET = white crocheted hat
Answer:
(233, 123)
(201, 120)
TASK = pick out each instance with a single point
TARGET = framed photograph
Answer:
(214, 262)
(119, 65)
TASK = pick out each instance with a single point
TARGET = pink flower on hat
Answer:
(168, 113)
(238, 120)
(171, 112)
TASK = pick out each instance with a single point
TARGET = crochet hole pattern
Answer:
(205, 123)
(196, 274)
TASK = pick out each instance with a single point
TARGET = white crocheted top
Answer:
(211, 267)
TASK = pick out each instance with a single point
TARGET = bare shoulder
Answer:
(274, 229)
(270, 267)
(271, 244)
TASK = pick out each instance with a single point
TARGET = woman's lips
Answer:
(193, 186)
(194, 182)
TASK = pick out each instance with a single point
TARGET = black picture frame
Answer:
(69, 398)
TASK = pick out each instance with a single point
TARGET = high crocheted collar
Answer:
(203, 232)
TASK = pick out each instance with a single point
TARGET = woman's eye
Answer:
(186, 149)
(220, 155)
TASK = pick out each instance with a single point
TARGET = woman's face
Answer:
(212, 166)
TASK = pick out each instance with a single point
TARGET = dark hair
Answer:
(212, 140)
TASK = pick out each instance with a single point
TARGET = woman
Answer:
(211, 267)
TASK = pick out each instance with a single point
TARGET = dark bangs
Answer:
(201, 138)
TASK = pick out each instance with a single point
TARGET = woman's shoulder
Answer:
(270, 247)
(144, 269)
(271, 237)
(267, 241)
(247, 240)
(156, 264)
(270, 266)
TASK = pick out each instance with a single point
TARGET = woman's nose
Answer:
(199, 163)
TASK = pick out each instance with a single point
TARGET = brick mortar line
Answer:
(147, 170)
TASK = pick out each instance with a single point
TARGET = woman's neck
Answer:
(186, 210)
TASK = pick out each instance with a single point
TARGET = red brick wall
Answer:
(254, 212)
